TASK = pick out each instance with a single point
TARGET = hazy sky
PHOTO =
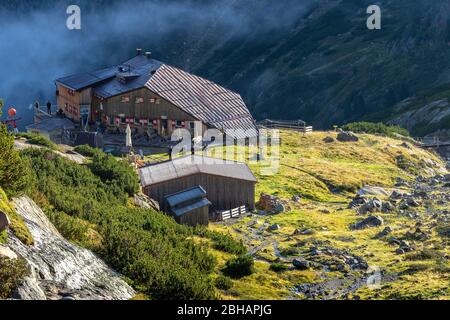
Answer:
(36, 47)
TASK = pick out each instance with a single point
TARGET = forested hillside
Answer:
(309, 59)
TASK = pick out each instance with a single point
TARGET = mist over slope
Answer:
(308, 59)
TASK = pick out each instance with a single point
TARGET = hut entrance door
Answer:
(164, 127)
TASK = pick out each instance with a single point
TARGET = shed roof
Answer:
(179, 198)
(196, 205)
(190, 165)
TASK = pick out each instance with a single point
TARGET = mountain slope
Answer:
(309, 59)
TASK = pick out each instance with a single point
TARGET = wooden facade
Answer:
(70, 101)
(152, 96)
(224, 193)
(142, 109)
(194, 218)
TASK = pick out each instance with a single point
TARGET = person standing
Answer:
(49, 107)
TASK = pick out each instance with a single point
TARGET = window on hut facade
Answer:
(179, 124)
(125, 99)
(123, 120)
(139, 100)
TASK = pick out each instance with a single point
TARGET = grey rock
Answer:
(347, 136)
(373, 205)
(7, 253)
(4, 221)
(412, 202)
(384, 233)
(387, 207)
(328, 140)
(372, 191)
(58, 265)
(296, 198)
(372, 221)
(400, 251)
(279, 208)
(274, 227)
(301, 264)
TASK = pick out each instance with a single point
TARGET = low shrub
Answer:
(37, 139)
(223, 282)
(17, 226)
(87, 151)
(112, 171)
(3, 237)
(240, 267)
(222, 242)
(278, 267)
(11, 273)
(376, 128)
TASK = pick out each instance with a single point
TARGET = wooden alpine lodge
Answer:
(150, 95)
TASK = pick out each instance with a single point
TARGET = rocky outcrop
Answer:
(143, 201)
(372, 221)
(4, 221)
(59, 269)
(347, 136)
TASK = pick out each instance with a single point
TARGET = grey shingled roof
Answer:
(179, 198)
(190, 165)
(203, 99)
(196, 205)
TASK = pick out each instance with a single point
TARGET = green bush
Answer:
(240, 267)
(17, 226)
(88, 151)
(11, 273)
(376, 128)
(223, 282)
(112, 171)
(277, 267)
(37, 139)
(14, 176)
(222, 242)
(3, 237)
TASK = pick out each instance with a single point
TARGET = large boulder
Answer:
(7, 253)
(60, 268)
(369, 222)
(347, 136)
(372, 191)
(328, 140)
(4, 221)
(373, 205)
(301, 264)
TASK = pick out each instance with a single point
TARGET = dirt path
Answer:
(69, 155)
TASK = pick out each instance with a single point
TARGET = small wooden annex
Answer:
(189, 207)
(228, 184)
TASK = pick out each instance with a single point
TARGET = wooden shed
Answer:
(229, 184)
(189, 207)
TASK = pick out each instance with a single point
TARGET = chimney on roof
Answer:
(138, 51)
(148, 54)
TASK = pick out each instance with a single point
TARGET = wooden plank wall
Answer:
(223, 192)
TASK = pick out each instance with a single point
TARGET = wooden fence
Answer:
(297, 125)
(233, 213)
